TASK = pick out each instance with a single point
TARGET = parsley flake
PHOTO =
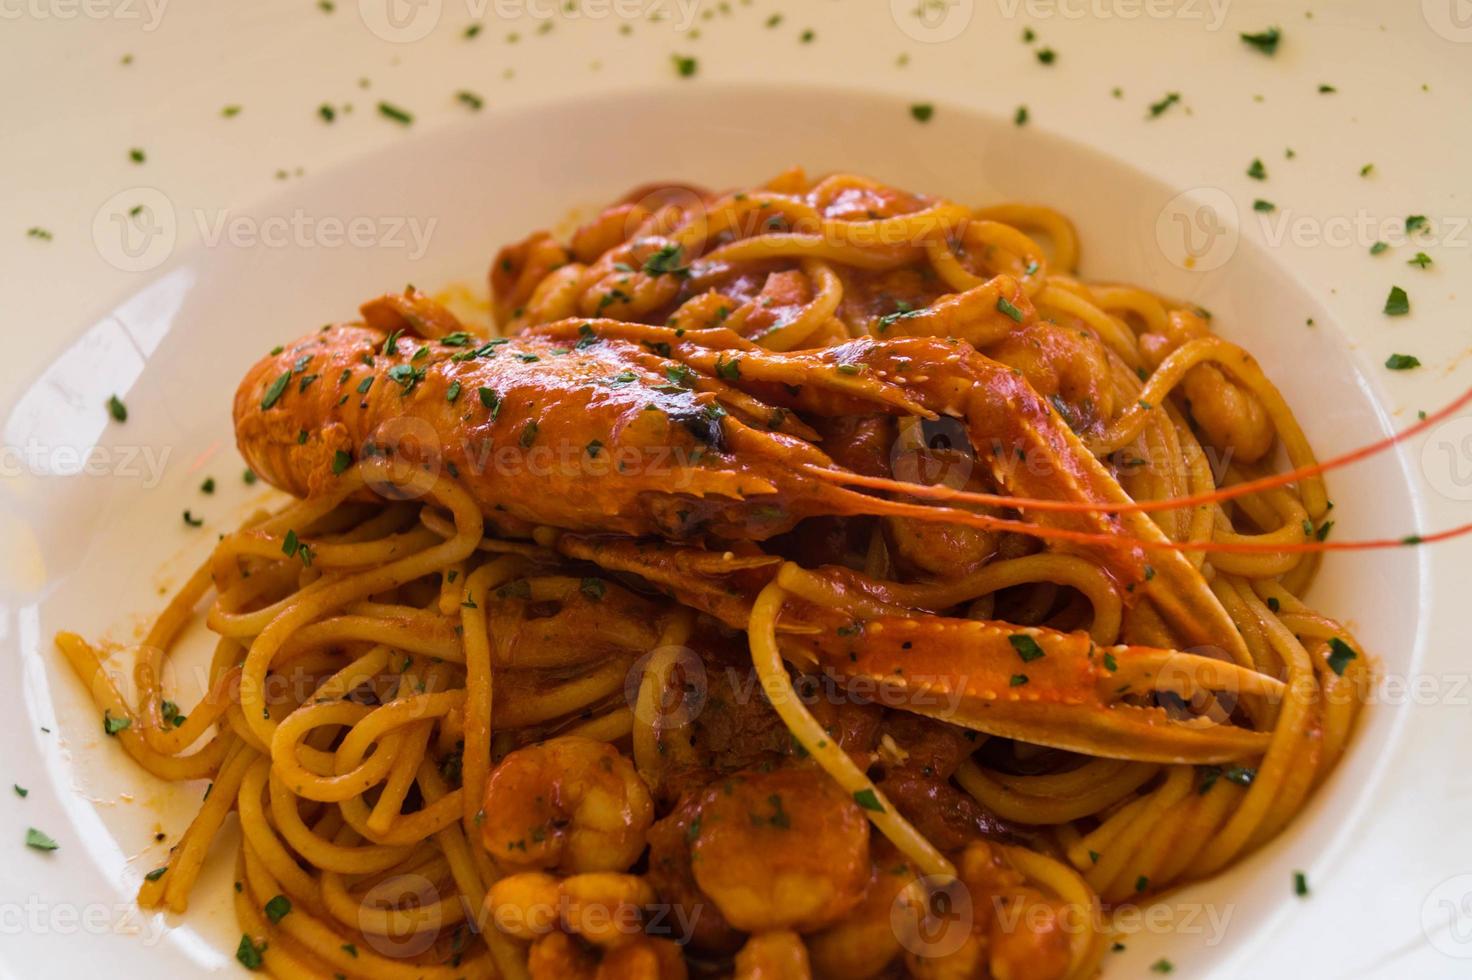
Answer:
(1027, 648)
(36, 840)
(390, 111)
(1340, 654)
(1264, 41)
(1397, 303)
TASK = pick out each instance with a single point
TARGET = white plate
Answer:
(91, 551)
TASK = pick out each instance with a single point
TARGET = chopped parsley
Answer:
(1420, 259)
(293, 548)
(1415, 222)
(1256, 170)
(1170, 99)
(869, 800)
(390, 111)
(1018, 680)
(406, 375)
(1162, 966)
(248, 953)
(1300, 884)
(685, 66)
(922, 111)
(888, 319)
(277, 908)
(1264, 41)
(1265, 207)
(39, 841)
(341, 460)
(1019, 118)
(1003, 306)
(39, 233)
(274, 393)
(192, 521)
(1378, 247)
(469, 98)
(20, 790)
(665, 260)
(1397, 303)
(137, 155)
(1046, 55)
(1027, 648)
(1340, 654)
(112, 726)
(117, 409)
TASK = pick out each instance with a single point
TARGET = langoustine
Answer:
(601, 427)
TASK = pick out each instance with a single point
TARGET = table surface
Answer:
(92, 79)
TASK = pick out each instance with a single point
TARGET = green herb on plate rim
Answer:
(1264, 41)
(390, 111)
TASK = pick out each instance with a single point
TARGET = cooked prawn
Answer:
(812, 838)
(571, 804)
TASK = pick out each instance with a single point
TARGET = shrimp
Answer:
(1233, 418)
(1028, 942)
(702, 434)
(571, 804)
(1067, 365)
(673, 877)
(813, 840)
(773, 956)
(604, 908)
(557, 956)
(865, 941)
(644, 959)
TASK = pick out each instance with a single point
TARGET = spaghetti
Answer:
(457, 707)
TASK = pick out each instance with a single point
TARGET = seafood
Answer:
(773, 956)
(569, 803)
(697, 434)
(790, 570)
(813, 840)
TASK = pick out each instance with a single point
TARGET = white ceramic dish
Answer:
(1383, 843)
(215, 309)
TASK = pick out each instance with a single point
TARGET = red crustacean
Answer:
(611, 432)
